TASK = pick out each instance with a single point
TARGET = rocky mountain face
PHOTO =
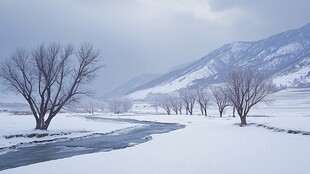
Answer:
(284, 57)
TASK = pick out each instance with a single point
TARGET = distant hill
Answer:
(130, 85)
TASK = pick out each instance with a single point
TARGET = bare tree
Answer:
(90, 105)
(170, 102)
(176, 103)
(221, 100)
(155, 105)
(189, 98)
(114, 106)
(89, 108)
(180, 105)
(246, 88)
(50, 76)
(203, 100)
(120, 105)
(127, 104)
(153, 99)
(165, 103)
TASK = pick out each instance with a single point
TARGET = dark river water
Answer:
(97, 143)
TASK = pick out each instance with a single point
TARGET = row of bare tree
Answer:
(91, 105)
(187, 98)
(242, 90)
(184, 99)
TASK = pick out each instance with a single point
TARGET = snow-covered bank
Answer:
(63, 126)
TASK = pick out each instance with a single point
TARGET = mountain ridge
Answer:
(285, 57)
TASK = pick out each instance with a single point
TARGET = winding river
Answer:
(77, 146)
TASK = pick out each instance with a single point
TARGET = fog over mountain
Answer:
(130, 86)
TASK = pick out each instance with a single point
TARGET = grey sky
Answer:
(144, 36)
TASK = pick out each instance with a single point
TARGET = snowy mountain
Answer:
(130, 85)
(284, 57)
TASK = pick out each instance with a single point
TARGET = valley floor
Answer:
(207, 144)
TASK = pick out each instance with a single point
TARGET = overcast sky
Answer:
(144, 36)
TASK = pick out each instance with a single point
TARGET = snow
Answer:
(297, 75)
(74, 124)
(207, 144)
(176, 84)
(286, 49)
(265, 60)
(301, 74)
(239, 46)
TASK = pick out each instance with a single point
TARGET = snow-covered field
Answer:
(206, 145)
(63, 126)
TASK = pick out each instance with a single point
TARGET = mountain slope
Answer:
(284, 57)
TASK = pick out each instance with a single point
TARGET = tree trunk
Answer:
(42, 124)
(201, 110)
(221, 113)
(47, 122)
(206, 113)
(38, 123)
(234, 110)
(243, 120)
(190, 112)
(168, 112)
